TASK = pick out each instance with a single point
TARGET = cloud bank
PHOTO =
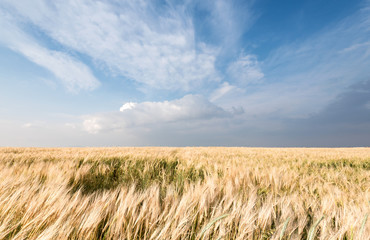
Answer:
(152, 114)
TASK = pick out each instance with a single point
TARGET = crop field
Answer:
(184, 193)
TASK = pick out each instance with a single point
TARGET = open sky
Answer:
(185, 73)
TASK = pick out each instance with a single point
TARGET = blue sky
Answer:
(185, 73)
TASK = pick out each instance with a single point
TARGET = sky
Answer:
(258, 73)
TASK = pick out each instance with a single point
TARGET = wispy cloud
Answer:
(226, 22)
(153, 45)
(131, 38)
(302, 78)
(245, 70)
(223, 90)
(74, 74)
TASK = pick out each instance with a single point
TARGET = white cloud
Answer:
(92, 125)
(74, 74)
(189, 108)
(224, 89)
(228, 20)
(127, 106)
(355, 47)
(129, 38)
(245, 70)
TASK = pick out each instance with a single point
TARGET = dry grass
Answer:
(184, 193)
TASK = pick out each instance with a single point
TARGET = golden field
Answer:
(184, 193)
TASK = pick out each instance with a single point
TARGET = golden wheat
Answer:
(184, 193)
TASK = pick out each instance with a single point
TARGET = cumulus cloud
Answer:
(131, 38)
(127, 106)
(188, 108)
(74, 74)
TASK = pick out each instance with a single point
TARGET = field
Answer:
(184, 193)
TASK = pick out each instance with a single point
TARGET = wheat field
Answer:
(184, 193)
